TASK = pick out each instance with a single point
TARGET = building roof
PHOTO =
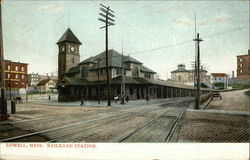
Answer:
(243, 55)
(115, 60)
(145, 69)
(75, 69)
(72, 81)
(89, 60)
(180, 70)
(45, 81)
(128, 59)
(219, 74)
(69, 36)
(201, 70)
(9, 61)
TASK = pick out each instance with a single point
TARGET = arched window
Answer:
(135, 72)
(85, 72)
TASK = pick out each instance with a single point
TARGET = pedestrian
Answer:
(49, 97)
(147, 98)
(127, 98)
(81, 100)
(116, 98)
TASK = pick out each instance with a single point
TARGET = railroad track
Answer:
(79, 131)
(73, 128)
(143, 131)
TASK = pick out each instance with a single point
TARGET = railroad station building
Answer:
(88, 79)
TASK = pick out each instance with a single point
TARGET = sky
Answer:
(158, 33)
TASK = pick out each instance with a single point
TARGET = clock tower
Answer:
(68, 55)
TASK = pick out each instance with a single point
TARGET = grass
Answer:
(247, 93)
(240, 86)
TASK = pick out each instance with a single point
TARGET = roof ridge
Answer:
(69, 36)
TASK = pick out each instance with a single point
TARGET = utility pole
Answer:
(10, 81)
(98, 76)
(198, 40)
(107, 15)
(3, 104)
(123, 82)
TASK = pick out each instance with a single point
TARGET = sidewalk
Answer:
(130, 103)
(225, 120)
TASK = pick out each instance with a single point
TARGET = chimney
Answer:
(249, 52)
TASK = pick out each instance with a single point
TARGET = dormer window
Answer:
(118, 71)
(146, 75)
(85, 72)
(135, 72)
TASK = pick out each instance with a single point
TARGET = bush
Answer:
(247, 93)
(240, 86)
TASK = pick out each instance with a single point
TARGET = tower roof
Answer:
(69, 36)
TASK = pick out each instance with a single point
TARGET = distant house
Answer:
(47, 85)
(183, 75)
(218, 78)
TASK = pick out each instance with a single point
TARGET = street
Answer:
(94, 124)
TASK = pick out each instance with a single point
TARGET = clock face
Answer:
(72, 49)
(62, 48)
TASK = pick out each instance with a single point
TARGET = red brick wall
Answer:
(18, 75)
(243, 67)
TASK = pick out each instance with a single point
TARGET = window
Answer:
(22, 76)
(102, 71)
(17, 76)
(8, 67)
(146, 75)
(135, 72)
(240, 59)
(16, 68)
(118, 71)
(8, 75)
(241, 71)
(22, 68)
(85, 72)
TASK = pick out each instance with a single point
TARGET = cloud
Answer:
(219, 18)
(223, 17)
(184, 21)
(203, 23)
(50, 8)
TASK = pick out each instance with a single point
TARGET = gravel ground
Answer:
(231, 101)
(83, 123)
(225, 120)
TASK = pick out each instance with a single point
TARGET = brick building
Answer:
(243, 66)
(15, 75)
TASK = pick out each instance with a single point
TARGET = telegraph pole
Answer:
(107, 14)
(10, 81)
(123, 81)
(198, 40)
(98, 76)
(3, 104)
